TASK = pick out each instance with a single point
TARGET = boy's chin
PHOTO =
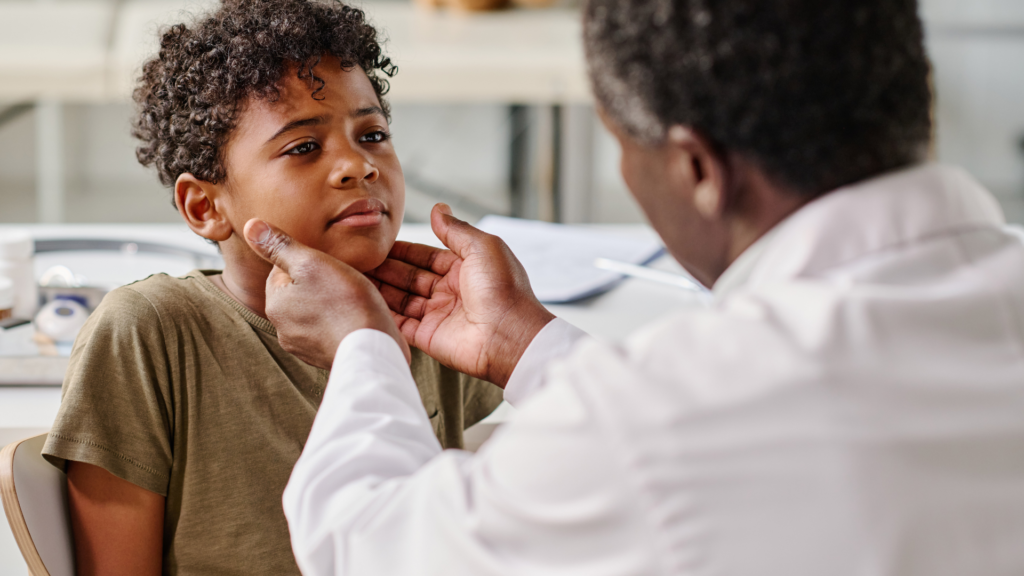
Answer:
(366, 267)
(363, 260)
(362, 249)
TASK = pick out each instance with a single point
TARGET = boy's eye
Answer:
(375, 137)
(304, 148)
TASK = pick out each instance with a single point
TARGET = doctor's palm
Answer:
(470, 307)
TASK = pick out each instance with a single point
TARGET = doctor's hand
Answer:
(470, 307)
(315, 300)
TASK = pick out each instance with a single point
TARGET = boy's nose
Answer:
(353, 169)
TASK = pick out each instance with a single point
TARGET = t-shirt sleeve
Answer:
(479, 399)
(115, 410)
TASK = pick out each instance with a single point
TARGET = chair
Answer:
(35, 498)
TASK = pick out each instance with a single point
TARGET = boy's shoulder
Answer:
(160, 294)
(161, 285)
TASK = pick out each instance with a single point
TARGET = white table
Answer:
(611, 315)
(31, 382)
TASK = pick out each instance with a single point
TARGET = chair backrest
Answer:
(35, 497)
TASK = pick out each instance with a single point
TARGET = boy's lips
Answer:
(363, 212)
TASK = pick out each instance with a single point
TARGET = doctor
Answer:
(852, 404)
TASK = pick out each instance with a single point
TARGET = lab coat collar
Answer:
(864, 218)
(738, 273)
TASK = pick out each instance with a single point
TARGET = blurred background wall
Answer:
(977, 48)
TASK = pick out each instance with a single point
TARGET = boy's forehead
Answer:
(344, 91)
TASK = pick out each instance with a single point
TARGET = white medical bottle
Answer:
(16, 253)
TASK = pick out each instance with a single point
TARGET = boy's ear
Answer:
(196, 202)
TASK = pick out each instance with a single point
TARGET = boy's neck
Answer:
(245, 276)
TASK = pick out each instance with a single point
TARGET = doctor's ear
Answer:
(195, 200)
(705, 169)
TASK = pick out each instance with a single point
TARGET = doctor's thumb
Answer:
(457, 235)
(273, 245)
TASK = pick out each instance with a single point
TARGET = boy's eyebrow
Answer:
(315, 121)
(367, 111)
(321, 120)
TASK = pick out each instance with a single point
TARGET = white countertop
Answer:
(612, 315)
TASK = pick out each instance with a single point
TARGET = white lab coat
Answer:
(851, 404)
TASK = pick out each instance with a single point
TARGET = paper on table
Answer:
(560, 258)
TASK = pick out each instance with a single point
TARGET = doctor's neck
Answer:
(758, 204)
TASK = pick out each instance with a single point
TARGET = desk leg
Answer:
(551, 162)
(533, 161)
(519, 160)
(575, 152)
(50, 162)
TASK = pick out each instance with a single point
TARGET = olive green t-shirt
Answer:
(175, 387)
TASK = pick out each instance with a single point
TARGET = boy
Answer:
(182, 416)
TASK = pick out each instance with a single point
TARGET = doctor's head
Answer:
(733, 113)
(275, 109)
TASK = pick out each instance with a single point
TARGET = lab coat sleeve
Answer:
(554, 341)
(371, 427)
(373, 493)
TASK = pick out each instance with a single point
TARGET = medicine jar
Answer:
(17, 250)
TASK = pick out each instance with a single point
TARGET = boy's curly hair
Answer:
(189, 95)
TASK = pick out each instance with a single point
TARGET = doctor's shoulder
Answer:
(699, 361)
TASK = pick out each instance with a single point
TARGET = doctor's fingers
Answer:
(402, 302)
(462, 238)
(407, 327)
(436, 260)
(406, 277)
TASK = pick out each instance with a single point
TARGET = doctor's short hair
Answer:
(189, 94)
(819, 93)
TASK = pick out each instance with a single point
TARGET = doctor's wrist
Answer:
(512, 340)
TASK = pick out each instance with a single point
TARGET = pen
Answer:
(651, 274)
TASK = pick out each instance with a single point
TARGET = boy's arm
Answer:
(118, 526)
